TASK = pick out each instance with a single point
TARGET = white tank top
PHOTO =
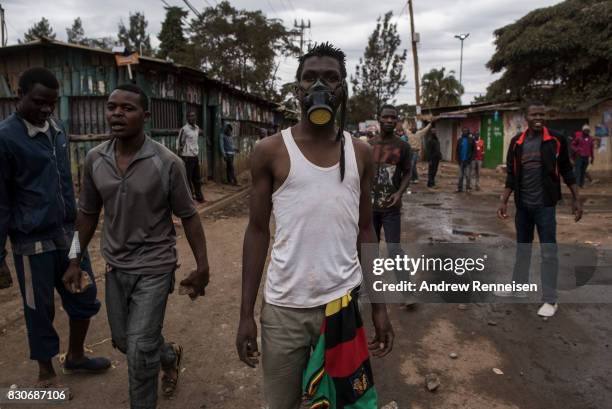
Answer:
(314, 257)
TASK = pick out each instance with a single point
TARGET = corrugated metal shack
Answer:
(87, 75)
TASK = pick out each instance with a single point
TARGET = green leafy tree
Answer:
(173, 43)
(40, 29)
(439, 89)
(239, 47)
(76, 33)
(135, 37)
(379, 72)
(560, 54)
(478, 99)
(361, 107)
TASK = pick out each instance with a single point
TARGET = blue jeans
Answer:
(136, 306)
(544, 219)
(432, 172)
(391, 222)
(414, 174)
(38, 275)
(465, 171)
(580, 168)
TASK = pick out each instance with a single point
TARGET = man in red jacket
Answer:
(478, 158)
(583, 147)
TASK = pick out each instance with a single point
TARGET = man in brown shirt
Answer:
(140, 184)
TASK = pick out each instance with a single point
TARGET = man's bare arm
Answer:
(198, 279)
(86, 227)
(255, 250)
(382, 343)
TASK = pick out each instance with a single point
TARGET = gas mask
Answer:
(320, 103)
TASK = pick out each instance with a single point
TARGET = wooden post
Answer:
(415, 57)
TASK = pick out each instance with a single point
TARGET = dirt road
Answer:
(565, 362)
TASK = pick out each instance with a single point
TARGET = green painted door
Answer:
(492, 132)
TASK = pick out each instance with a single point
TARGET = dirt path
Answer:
(563, 363)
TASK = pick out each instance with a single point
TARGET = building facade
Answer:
(88, 75)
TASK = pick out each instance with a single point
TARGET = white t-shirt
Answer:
(189, 134)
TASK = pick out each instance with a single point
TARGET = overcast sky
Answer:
(346, 23)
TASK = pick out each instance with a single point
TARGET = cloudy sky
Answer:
(346, 23)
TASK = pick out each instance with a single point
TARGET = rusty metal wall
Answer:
(86, 78)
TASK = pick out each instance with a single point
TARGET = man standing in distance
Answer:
(140, 184)
(465, 154)
(188, 150)
(415, 140)
(536, 161)
(38, 211)
(478, 158)
(583, 147)
(228, 150)
(434, 155)
(392, 163)
(317, 180)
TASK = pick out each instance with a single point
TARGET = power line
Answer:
(272, 7)
(195, 11)
(403, 9)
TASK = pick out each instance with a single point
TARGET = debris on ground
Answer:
(492, 323)
(453, 355)
(498, 371)
(391, 405)
(432, 382)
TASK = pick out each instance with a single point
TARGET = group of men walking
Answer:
(329, 193)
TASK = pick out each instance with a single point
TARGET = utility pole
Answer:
(415, 39)
(301, 27)
(461, 38)
(3, 31)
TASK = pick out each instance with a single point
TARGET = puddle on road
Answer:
(473, 233)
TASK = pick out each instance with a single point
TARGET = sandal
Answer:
(169, 384)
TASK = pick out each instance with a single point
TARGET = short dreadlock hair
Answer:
(323, 50)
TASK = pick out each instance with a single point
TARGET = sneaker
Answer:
(548, 310)
(514, 294)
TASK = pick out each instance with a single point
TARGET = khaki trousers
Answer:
(288, 336)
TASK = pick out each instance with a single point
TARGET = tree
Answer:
(379, 72)
(478, 99)
(361, 107)
(40, 29)
(173, 42)
(239, 47)
(560, 54)
(76, 34)
(135, 37)
(439, 90)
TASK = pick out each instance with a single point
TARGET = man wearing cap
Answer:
(583, 148)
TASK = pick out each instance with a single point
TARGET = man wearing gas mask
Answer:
(317, 180)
